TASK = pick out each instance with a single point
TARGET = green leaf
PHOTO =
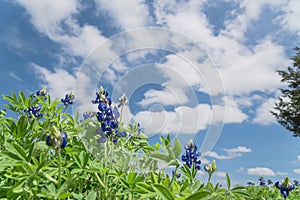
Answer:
(145, 186)
(77, 196)
(16, 150)
(184, 186)
(242, 193)
(199, 195)
(228, 181)
(153, 177)
(92, 196)
(163, 192)
(177, 148)
(51, 189)
(238, 188)
(160, 156)
(131, 177)
(22, 99)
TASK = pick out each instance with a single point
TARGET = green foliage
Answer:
(86, 169)
(288, 107)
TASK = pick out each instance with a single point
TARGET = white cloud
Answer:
(290, 19)
(189, 120)
(233, 114)
(127, 14)
(164, 97)
(241, 170)
(47, 15)
(59, 82)
(252, 71)
(261, 171)
(220, 174)
(282, 173)
(14, 76)
(297, 171)
(182, 120)
(83, 42)
(263, 114)
(238, 150)
(54, 19)
(231, 153)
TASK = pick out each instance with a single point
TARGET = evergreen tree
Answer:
(287, 109)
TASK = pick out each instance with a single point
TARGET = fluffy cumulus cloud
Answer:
(47, 15)
(261, 171)
(230, 153)
(292, 14)
(221, 174)
(187, 119)
(263, 113)
(297, 171)
(242, 69)
(126, 14)
(59, 82)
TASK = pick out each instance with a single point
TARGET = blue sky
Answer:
(196, 69)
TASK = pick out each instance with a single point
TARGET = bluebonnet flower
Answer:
(262, 181)
(285, 187)
(191, 155)
(122, 100)
(57, 139)
(108, 117)
(211, 168)
(250, 183)
(69, 99)
(176, 173)
(270, 182)
(87, 115)
(34, 111)
(295, 182)
(42, 92)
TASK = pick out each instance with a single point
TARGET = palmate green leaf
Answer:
(15, 152)
(163, 192)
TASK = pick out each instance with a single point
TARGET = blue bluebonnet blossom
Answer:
(41, 92)
(69, 99)
(87, 115)
(285, 187)
(34, 111)
(191, 155)
(57, 138)
(250, 183)
(295, 182)
(270, 182)
(262, 181)
(122, 100)
(176, 173)
(108, 117)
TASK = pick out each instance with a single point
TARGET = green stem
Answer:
(59, 168)
(99, 180)
(173, 176)
(209, 177)
(121, 113)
